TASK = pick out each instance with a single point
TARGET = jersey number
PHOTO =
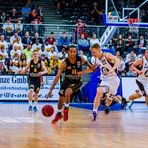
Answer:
(74, 72)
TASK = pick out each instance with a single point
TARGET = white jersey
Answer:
(144, 75)
(105, 68)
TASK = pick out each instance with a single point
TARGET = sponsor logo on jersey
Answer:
(69, 67)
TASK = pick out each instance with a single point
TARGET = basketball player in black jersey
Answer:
(37, 69)
(71, 83)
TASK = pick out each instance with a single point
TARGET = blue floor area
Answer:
(89, 106)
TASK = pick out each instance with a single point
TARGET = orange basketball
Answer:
(47, 110)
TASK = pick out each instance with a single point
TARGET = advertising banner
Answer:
(129, 86)
(15, 87)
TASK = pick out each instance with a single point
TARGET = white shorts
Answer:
(110, 86)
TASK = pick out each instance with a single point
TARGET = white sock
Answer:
(30, 103)
(59, 110)
(95, 110)
(35, 103)
(66, 105)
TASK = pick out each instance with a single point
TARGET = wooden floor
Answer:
(119, 129)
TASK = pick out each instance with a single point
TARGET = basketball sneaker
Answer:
(94, 116)
(35, 109)
(123, 103)
(65, 116)
(57, 117)
(106, 110)
(30, 108)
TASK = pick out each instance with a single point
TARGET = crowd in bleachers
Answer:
(16, 47)
(91, 12)
(15, 54)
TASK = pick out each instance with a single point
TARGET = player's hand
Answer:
(49, 94)
(80, 73)
(110, 72)
(140, 72)
(40, 74)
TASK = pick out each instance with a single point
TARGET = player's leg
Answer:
(146, 100)
(97, 100)
(30, 96)
(59, 116)
(113, 85)
(73, 87)
(36, 91)
(35, 102)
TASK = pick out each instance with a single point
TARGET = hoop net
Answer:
(133, 24)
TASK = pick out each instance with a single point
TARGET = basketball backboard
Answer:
(117, 14)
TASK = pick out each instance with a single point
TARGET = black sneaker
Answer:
(94, 116)
(123, 103)
(106, 110)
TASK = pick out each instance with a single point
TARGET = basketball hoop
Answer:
(133, 24)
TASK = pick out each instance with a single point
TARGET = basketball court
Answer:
(22, 129)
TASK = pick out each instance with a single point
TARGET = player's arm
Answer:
(137, 63)
(44, 69)
(113, 59)
(57, 77)
(85, 62)
(23, 71)
(89, 69)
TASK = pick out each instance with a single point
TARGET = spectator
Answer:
(63, 41)
(40, 13)
(129, 45)
(63, 54)
(14, 16)
(26, 39)
(47, 46)
(94, 40)
(54, 64)
(3, 43)
(52, 40)
(15, 52)
(23, 61)
(83, 44)
(78, 30)
(120, 45)
(121, 67)
(15, 38)
(37, 38)
(95, 12)
(81, 54)
(52, 53)
(43, 52)
(18, 27)
(8, 27)
(26, 13)
(3, 17)
(10, 68)
(28, 52)
(141, 44)
(37, 45)
(130, 58)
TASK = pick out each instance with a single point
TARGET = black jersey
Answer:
(72, 68)
(35, 68)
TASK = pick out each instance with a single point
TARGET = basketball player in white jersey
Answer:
(109, 80)
(141, 67)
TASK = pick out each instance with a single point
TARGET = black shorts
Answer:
(68, 83)
(34, 83)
